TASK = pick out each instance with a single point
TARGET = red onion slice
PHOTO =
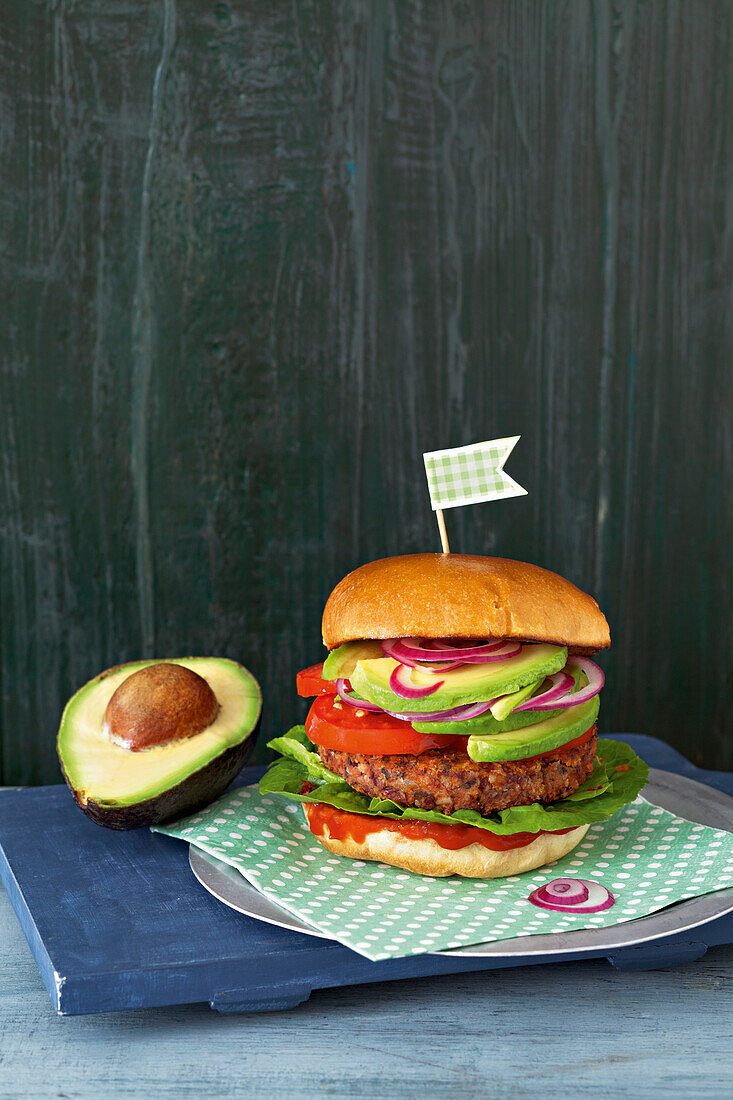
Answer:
(445, 645)
(408, 650)
(560, 684)
(596, 680)
(343, 694)
(460, 713)
(393, 649)
(401, 684)
(504, 653)
(466, 710)
(572, 895)
(564, 891)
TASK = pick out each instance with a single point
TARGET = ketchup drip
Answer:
(343, 824)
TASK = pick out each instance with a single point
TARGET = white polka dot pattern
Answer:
(645, 856)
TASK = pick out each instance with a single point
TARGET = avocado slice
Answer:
(487, 723)
(124, 789)
(505, 704)
(342, 661)
(543, 736)
(467, 684)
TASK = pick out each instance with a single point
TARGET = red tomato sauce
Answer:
(343, 824)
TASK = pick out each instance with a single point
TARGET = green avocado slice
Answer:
(487, 723)
(505, 704)
(467, 684)
(124, 789)
(342, 661)
(543, 736)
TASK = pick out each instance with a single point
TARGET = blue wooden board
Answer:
(117, 920)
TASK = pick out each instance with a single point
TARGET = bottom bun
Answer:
(426, 857)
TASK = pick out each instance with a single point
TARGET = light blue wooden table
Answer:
(552, 1031)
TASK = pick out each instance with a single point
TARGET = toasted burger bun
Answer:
(462, 596)
(426, 857)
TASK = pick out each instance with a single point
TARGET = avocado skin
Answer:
(194, 792)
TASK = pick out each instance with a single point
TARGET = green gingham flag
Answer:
(470, 475)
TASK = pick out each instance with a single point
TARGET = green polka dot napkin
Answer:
(645, 856)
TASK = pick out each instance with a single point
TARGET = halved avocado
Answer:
(125, 789)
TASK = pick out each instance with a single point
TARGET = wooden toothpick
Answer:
(443, 532)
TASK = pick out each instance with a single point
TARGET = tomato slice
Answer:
(336, 725)
(310, 682)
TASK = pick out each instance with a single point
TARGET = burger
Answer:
(453, 723)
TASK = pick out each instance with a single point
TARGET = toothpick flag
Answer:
(469, 475)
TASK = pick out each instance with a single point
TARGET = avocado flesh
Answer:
(191, 794)
(342, 661)
(543, 736)
(467, 684)
(105, 777)
(487, 723)
(505, 704)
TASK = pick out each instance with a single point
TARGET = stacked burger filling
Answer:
(404, 755)
(490, 743)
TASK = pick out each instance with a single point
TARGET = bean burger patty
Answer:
(449, 781)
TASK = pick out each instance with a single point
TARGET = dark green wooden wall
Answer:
(256, 257)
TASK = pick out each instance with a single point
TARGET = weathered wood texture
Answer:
(256, 257)
(546, 1031)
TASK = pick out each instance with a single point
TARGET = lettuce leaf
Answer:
(602, 794)
(297, 745)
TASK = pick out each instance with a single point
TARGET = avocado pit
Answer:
(158, 705)
(124, 789)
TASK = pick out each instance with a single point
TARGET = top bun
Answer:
(462, 596)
